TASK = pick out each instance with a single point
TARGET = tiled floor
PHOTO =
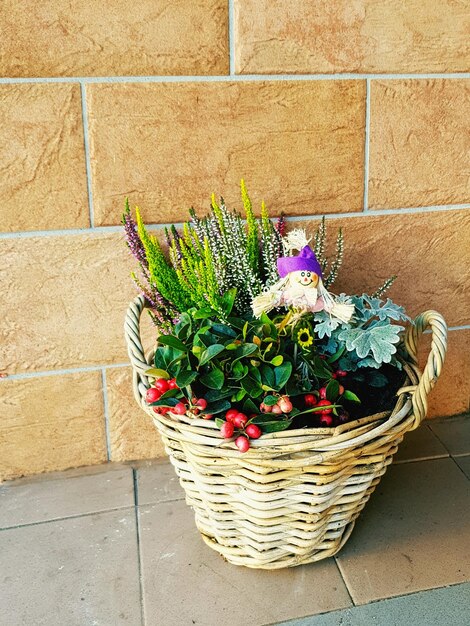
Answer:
(115, 545)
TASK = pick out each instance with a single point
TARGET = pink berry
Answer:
(242, 443)
(240, 420)
(253, 431)
(310, 399)
(227, 430)
(322, 392)
(276, 409)
(179, 409)
(161, 384)
(326, 420)
(207, 416)
(263, 408)
(341, 373)
(285, 404)
(201, 403)
(152, 394)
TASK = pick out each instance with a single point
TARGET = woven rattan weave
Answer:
(294, 496)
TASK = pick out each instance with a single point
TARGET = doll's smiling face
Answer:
(304, 278)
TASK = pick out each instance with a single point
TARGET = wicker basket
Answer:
(293, 498)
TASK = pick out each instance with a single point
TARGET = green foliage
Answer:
(162, 275)
(370, 339)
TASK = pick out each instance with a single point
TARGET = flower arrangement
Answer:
(249, 333)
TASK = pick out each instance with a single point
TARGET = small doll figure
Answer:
(301, 287)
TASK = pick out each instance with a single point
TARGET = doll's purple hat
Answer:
(305, 260)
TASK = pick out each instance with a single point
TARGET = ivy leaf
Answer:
(377, 340)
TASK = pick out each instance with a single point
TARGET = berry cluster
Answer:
(239, 422)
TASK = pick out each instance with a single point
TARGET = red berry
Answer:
(242, 443)
(231, 414)
(201, 403)
(152, 394)
(195, 411)
(179, 409)
(253, 431)
(334, 375)
(326, 420)
(322, 392)
(324, 403)
(172, 384)
(310, 399)
(227, 429)
(161, 384)
(341, 373)
(239, 420)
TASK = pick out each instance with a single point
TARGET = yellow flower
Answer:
(304, 338)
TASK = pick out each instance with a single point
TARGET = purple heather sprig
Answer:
(133, 240)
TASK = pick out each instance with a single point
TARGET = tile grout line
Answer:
(365, 206)
(234, 77)
(86, 143)
(106, 413)
(137, 530)
(338, 565)
(66, 517)
(295, 218)
(460, 468)
(231, 37)
(61, 372)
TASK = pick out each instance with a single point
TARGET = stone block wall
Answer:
(356, 110)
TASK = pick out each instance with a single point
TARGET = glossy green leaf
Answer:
(213, 379)
(210, 353)
(173, 342)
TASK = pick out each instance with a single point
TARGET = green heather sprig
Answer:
(162, 275)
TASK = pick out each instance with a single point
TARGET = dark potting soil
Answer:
(373, 399)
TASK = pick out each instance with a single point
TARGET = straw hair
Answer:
(293, 498)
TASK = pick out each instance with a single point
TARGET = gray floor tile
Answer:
(413, 534)
(454, 432)
(420, 444)
(464, 463)
(158, 483)
(64, 494)
(438, 607)
(186, 583)
(74, 572)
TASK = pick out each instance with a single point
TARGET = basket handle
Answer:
(134, 342)
(432, 370)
